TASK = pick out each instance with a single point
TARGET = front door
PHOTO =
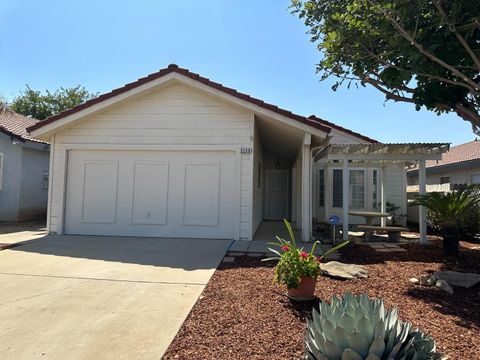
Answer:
(276, 199)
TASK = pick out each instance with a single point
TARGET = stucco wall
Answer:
(34, 185)
(12, 165)
(457, 176)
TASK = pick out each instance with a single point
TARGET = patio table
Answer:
(369, 215)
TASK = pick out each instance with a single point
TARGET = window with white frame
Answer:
(357, 189)
(444, 180)
(321, 187)
(1, 171)
(374, 189)
(337, 191)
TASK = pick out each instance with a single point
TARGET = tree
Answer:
(42, 105)
(424, 52)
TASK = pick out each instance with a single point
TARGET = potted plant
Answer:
(448, 213)
(297, 269)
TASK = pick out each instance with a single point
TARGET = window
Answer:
(321, 187)
(337, 193)
(374, 189)
(1, 171)
(357, 189)
(445, 180)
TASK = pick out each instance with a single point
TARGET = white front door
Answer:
(151, 193)
(276, 199)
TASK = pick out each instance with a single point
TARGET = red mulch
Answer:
(241, 315)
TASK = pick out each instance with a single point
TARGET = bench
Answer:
(392, 231)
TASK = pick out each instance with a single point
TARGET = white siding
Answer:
(175, 115)
(395, 187)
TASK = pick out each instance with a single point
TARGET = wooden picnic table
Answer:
(368, 215)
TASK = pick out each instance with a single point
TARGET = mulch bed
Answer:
(242, 315)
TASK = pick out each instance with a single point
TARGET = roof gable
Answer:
(173, 69)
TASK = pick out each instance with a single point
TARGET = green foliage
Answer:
(424, 52)
(356, 327)
(447, 210)
(293, 262)
(42, 105)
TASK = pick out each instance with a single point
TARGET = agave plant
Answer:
(356, 327)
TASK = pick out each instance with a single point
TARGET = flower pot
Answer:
(305, 290)
(450, 241)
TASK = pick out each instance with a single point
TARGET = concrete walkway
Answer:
(87, 297)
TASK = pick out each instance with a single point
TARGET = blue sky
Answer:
(256, 47)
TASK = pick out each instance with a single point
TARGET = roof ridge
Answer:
(341, 128)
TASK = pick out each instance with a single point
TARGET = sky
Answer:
(256, 47)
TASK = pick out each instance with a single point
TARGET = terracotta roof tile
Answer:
(15, 125)
(457, 154)
(311, 121)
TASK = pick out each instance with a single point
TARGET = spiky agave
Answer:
(356, 327)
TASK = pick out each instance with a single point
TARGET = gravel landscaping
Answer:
(242, 315)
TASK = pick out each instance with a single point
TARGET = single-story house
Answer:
(175, 154)
(23, 170)
(459, 165)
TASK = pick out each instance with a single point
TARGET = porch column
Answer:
(345, 198)
(422, 189)
(306, 193)
(383, 220)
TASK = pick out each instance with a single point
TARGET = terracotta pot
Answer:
(305, 290)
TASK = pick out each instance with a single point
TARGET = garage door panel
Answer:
(201, 194)
(99, 193)
(150, 193)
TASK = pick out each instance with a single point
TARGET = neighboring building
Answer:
(23, 170)
(459, 165)
(174, 154)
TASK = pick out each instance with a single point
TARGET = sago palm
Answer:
(448, 211)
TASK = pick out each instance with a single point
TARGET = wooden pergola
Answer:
(379, 154)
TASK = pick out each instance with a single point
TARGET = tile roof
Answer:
(15, 126)
(341, 128)
(457, 154)
(311, 121)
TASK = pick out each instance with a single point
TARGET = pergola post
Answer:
(345, 198)
(422, 189)
(383, 220)
(306, 189)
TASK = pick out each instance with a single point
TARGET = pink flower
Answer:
(285, 248)
(319, 259)
(304, 255)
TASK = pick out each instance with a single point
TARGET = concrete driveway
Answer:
(87, 297)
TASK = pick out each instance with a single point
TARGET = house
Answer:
(23, 170)
(459, 165)
(175, 154)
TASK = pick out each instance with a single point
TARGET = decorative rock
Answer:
(427, 280)
(455, 278)
(414, 281)
(344, 271)
(442, 284)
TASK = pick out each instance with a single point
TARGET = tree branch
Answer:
(459, 36)
(469, 115)
(389, 95)
(429, 55)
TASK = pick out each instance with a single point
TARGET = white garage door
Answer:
(150, 193)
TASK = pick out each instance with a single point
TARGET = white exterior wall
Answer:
(457, 176)
(175, 117)
(395, 186)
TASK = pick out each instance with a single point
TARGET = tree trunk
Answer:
(451, 237)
